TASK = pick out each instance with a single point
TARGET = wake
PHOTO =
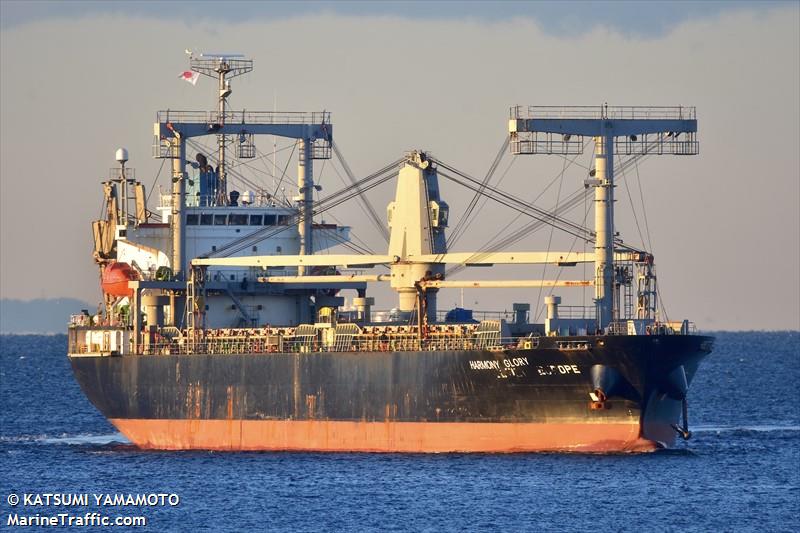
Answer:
(767, 428)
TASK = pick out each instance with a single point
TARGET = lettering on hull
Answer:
(503, 367)
(557, 370)
(512, 367)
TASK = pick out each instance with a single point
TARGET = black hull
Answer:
(542, 389)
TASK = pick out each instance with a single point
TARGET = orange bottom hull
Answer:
(408, 437)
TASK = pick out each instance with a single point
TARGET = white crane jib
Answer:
(626, 130)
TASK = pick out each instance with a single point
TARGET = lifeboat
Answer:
(115, 278)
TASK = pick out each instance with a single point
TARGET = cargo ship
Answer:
(223, 327)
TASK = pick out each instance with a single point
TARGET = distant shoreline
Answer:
(41, 316)
(32, 333)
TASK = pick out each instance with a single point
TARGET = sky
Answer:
(79, 79)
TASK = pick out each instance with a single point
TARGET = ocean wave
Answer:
(766, 428)
(93, 440)
(69, 440)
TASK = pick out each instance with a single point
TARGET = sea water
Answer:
(739, 472)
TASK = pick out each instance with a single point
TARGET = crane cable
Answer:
(518, 204)
(363, 200)
(283, 173)
(267, 233)
(323, 205)
(234, 173)
(569, 204)
(463, 223)
(552, 230)
(532, 225)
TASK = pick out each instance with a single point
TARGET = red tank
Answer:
(115, 279)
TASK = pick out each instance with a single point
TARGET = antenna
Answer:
(216, 65)
(125, 177)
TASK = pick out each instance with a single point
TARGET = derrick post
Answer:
(305, 199)
(604, 228)
(178, 199)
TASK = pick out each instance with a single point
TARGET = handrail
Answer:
(244, 117)
(258, 345)
(604, 112)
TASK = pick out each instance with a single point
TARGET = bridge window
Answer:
(206, 220)
(237, 219)
(191, 220)
(269, 220)
(220, 220)
(255, 220)
(283, 220)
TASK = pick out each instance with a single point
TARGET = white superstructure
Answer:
(203, 216)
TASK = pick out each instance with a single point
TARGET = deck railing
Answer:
(244, 117)
(604, 112)
(370, 339)
(257, 345)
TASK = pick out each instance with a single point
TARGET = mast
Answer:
(224, 92)
(305, 199)
(122, 157)
(312, 144)
(221, 67)
(629, 130)
(178, 145)
(604, 227)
